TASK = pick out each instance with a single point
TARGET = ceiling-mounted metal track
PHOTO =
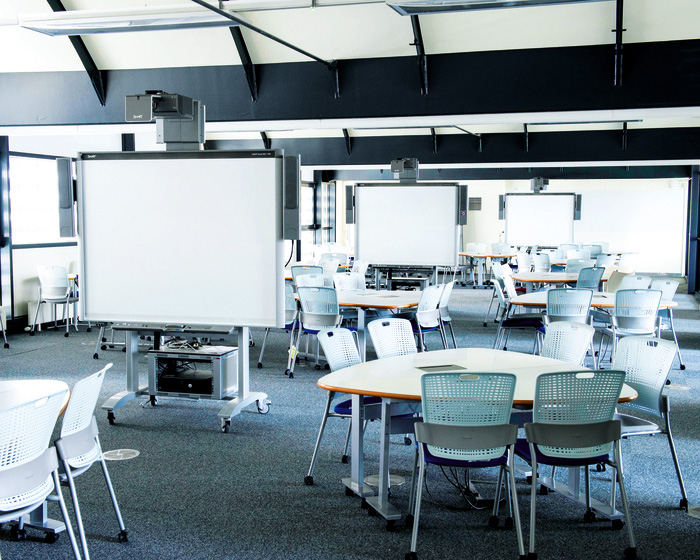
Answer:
(97, 77)
(267, 142)
(618, 42)
(246, 61)
(422, 58)
(348, 142)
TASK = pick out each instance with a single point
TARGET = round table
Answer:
(530, 278)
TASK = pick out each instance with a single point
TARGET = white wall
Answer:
(646, 216)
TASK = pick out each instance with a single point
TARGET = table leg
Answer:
(355, 483)
(480, 263)
(361, 334)
(380, 502)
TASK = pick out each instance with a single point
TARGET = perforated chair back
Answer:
(635, 282)
(428, 313)
(359, 267)
(53, 282)
(476, 248)
(574, 266)
(569, 304)
(668, 288)
(577, 397)
(557, 255)
(341, 257)
(497, 269)
(577, 254)
(319, 307)
(507, 270)
(498, 287)
(541, 262)
(315, 280)
(300, 270)
(628, 262)
(590, 277)
(290, 304)
(329, 265)
(351, 281)
(613, 284)
(593, 250)
(567, 341)
(467, 399)
(524, 262)
(509, 287)
(646, 361)
(339, 348)
(568, 247)
(445, 300)
(83, 399)
(604, 245)
(636, 309)
(392, 337)
(605, 260)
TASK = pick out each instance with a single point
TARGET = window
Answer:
(33, 200)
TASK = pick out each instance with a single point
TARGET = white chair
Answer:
(349, 281)
(524, 262)
(392, 337)
(628, 262)
(567, 341)
(500, 248)
(341, 257)
(359, 267)
(466, 425)
(79, 446)
(302, 269)
(290, 321)
(577, 254)
(572, 305)
(590, 277)
(315, 280)
(2, 328)
(54, 288)
(635, 282)
(574, 266)
(646, 362)
(475, 248)
(668, 291)
(541, 262)
(329, 265)
(319, 311)
(604, 245)
(498, 270)
(615, 280)
(427, 316)
(28, 466)
(519, 321)
(445, 318)
(568, 247)
(593, 250)
(605, 261)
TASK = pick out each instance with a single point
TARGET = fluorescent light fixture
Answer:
(416, 7)
(86, 22)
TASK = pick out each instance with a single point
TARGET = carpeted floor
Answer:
(196, 493)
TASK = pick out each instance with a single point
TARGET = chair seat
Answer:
(629, 332)
(345, 407)
(632, 425)
(430, 458)
(523, 320)
(522, 450)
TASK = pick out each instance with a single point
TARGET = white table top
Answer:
(600, 299)
(379, 299)
(17, 392)
(486, 255)
(554, 277)
(399, 377)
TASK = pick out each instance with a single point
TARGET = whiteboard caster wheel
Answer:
(682, 366)
(226, 426)
(110, 417)
(264, 406)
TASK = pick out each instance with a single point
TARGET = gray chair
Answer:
(590, 277)
(647, 361)
(668, 291)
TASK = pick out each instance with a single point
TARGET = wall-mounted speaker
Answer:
(577, 207)
(462, 205)
(501, 207)
(291, 221)
(349, 204)
(66, 197)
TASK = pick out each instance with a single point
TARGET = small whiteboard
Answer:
(406, 224)
(540, 219)
(182, 238)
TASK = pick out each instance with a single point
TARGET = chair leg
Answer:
(674, 455)
(533, 496)
(64, 513)
(488, 311)
(452, 332)
(309, 479)
(115, 504)
(76, 507)
(416, 509)
(516, 508)
(675, 338)
(414, 476)
(623, 497)
(294, 351)
(497, 497)
(262, 348)
(4, 336)
(36, 316)
(100, 336)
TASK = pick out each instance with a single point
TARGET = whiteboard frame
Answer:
(509, 241)
(103, 309)
(409, 228)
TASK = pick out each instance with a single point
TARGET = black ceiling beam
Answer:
(434, 136)
(618, 42)
(267, 142)
(348, 142)
(97, 77)
(246, 61)
(332, 65)
(527, 138)
(422, 58)
(624, 136)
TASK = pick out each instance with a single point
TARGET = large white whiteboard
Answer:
(191, 238)
(406, 224)
(540, 219)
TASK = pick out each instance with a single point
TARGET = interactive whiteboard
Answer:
(406, 224)
(182, 238)
(540, 219)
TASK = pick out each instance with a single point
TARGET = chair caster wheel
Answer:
(6, 345)
(103, 347)
(154, 400)
(589, 517)
(630, 554)
(531, 556)
(31, 333)
(317, 367)
(683, 504)
(123, 536)
(528, 478)
(309, 480)
(291, 375)
(411, 556)
(110, 418)
(484, 324)
(124, 349)
(66, 334)
(95, 356)
(682, 366)
(407, 440)
(252, 343)
(18, 534)
(226, 426)
(618, 524)
(326, 367)
(104, 339)
(89, 329)
(494, 522)
(259, 365)
(409, 519)
(505, 349)
(344, 459)
(286, 372)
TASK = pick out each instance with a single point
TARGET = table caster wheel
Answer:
(110, 418)
(344, 459)
(618, 524)
(309, 480)
(226, 426)
(264, 406)
(123, 536)
(259, 365)
(51, 537)
(95, 356)
(589, 517)
(493, 522)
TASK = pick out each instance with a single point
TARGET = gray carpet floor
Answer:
(196, 493)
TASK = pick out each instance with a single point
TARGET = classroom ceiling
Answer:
(370, 40)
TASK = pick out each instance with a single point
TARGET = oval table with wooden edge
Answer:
(397, 380)
(15, 393)
(530, 278)
(600, 300)
(481, 264)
